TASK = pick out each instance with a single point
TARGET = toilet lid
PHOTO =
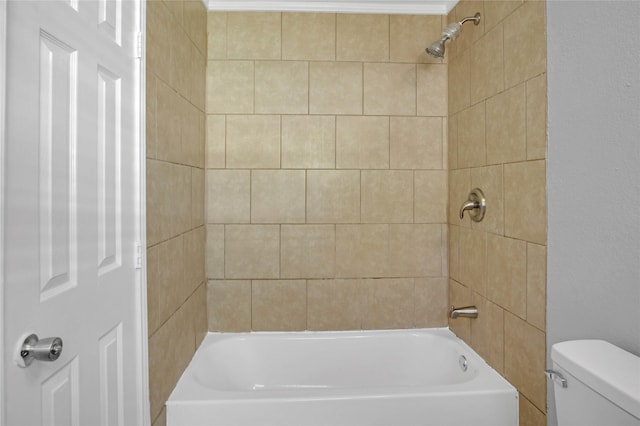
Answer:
(607, 369)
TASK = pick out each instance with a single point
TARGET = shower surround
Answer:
(497, 142)
(326, 172)
(370, 92)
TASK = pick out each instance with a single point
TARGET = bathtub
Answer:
(392, 378)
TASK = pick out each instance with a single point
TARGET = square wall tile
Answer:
(194, 259)
(472, 149)
(432, 90)
(431, 303)
(459, 76)
(525, 43)
(151, 119)
(472, 33)
(486, 70)
(487, 332)
(308, 142)
(459, 188)
(362, 142)
(282, 87)
(473, 259)
(524, 359)
(170, 350)
(452, 142)
(335, 88)
(216, 35)
(253, 35)
(252, 251)
(253, 141)
(389, 89)
(197, 197)
(525, 201)
(460, 295)
(389, 303)
(215, 251)
(536, 285)
(387, 196)
(277, 196)
(362, 251)
(180, 62)
(192, 136)
(229, 305)
(416, 143)
(154, 289)
(507, 273)
(216, 141)
(408, 35)
(530, 415)
(430, 203)
(197, 308)
(309, 36)
(454, 258)
(489, 180)
(168, 200)
(229, 196)
(415, 250)
(335, 304)
(495, 11)
(506, 126)
(158, 40)
(308, 251)
(170, 110)
(537, 117)
(279, 305)
(230, 87)
(362, 37)
(198, 78)
(333, 196)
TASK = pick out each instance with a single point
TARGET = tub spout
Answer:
(466, 312)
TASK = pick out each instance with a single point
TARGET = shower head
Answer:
(451, 32)
(437, 47)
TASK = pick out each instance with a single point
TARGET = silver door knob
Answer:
(48, 349)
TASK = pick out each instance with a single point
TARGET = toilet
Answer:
(595, 384)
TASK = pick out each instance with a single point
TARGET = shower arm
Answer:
(475, 18)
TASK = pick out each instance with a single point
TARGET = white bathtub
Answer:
(393, 378)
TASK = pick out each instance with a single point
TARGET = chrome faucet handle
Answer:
(476, 204)
(468, 205)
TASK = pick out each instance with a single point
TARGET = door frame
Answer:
(3, 68)
(143, 327)
(141, 284)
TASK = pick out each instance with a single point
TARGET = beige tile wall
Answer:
(497, 141)
(326, 172)
(176, 232)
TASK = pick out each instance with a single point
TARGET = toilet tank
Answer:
(603, 384)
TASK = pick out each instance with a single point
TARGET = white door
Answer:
(72, 212)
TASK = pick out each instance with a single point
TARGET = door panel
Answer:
(72, 217)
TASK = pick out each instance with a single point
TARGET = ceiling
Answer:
(411, 7)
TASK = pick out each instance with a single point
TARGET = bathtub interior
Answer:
(323, 361)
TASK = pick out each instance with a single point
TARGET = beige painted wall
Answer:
(176, 291)
(326, 172)
(497, 142)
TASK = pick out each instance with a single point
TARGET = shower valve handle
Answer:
(476, 204)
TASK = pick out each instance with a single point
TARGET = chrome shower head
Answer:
(437, 48)
(451, 31)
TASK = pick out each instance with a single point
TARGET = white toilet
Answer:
(595, 384)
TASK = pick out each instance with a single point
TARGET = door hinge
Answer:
(138, 255)
(139, 41)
